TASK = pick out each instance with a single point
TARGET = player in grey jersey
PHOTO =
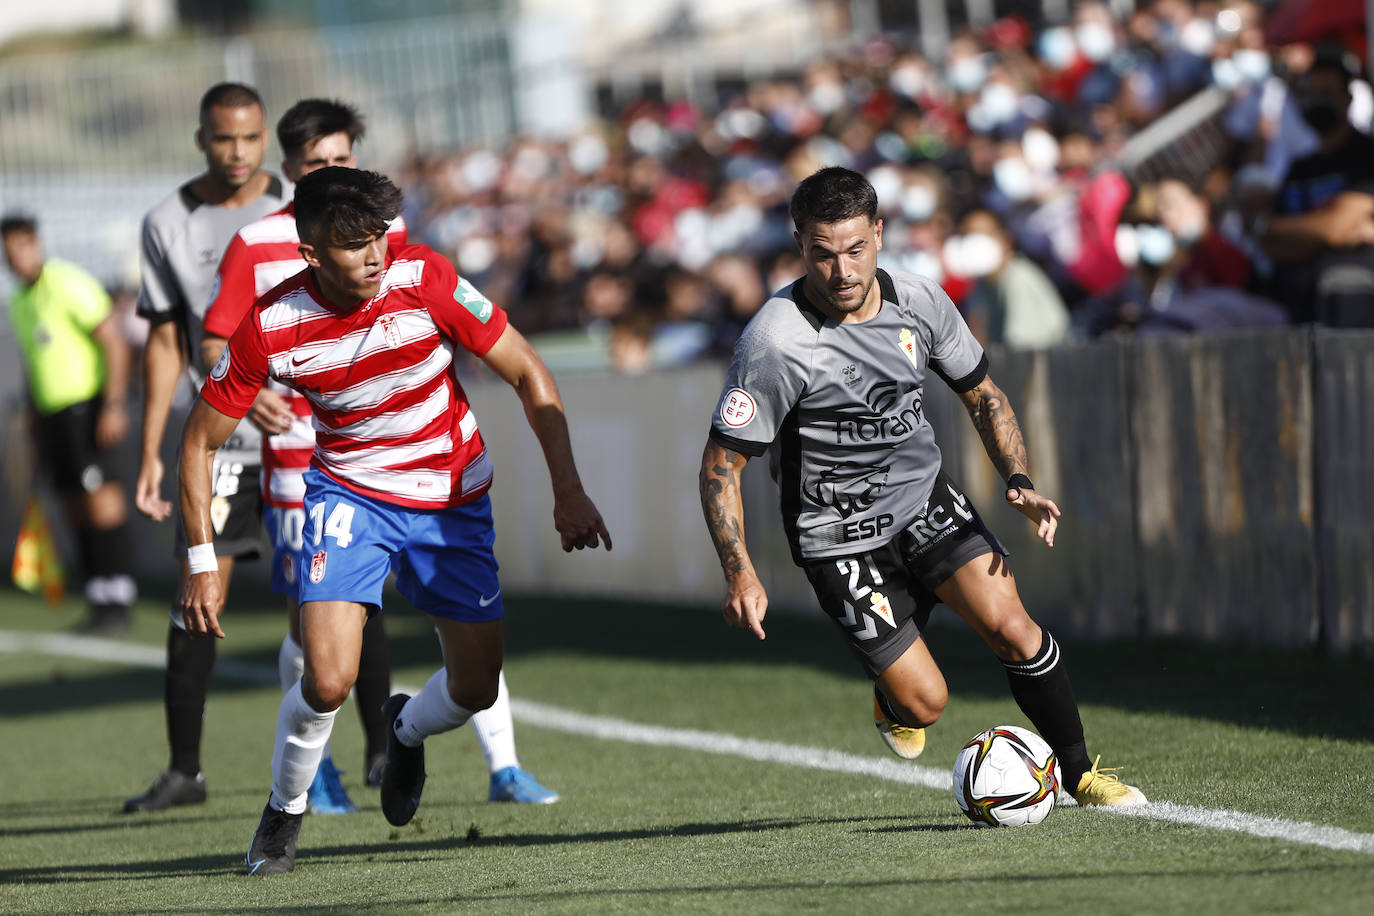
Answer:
(183, 239)
(828, 378)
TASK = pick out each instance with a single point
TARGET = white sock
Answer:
(495, 731)
(290, 667)
(302, 734)
(290, 662)
(430, 712)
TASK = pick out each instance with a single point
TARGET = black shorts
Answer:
(235, 511)
(881, 599)
(67, 449)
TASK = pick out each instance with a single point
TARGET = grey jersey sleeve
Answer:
(765, 381)
(159, 294)
(955, 354)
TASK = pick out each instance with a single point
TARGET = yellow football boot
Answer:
(1102, 787)
(903, 740)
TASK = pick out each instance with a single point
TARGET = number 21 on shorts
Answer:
(339, 525)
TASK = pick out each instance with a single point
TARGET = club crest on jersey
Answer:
(391, 331)
(317, 566)
(466, 295)
(907, 341)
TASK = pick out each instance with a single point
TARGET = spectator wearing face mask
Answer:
(1012, 301)
(917, 228)
(1262, 112)
(1097, 35)
(1186, 276)
(1206, 257)
(1321, 235)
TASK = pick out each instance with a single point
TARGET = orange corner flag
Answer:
(37, 565)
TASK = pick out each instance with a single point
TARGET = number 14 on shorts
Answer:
(339, 525)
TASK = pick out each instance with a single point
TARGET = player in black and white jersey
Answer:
(828, 378)
(184, 237)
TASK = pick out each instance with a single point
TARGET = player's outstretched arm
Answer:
(575, 517)
(746, 602)
(997, 426)
(163, 362)
(203, 597)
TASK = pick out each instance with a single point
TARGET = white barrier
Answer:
(638, 443)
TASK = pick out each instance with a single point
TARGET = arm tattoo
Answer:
(721, 504)
(997, 426)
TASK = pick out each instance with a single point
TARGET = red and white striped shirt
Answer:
(260, 256)
(392, 422)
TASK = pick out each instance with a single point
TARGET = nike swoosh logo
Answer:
(484, 600)
(299, 360)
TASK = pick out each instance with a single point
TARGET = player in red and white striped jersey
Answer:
(314, 134)
(398, 480)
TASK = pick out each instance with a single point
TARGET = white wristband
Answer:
(201, 558)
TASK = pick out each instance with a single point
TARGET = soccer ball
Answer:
(1006, 777)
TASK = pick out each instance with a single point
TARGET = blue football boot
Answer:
(512, 784)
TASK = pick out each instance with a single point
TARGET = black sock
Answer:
(190, 662)
(107, 558)
(107, 551)
(886, 706)
(374, 685)
(1041, 688)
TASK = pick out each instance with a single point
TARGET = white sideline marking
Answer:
(98, 649)
(890, 769)
(604, 727)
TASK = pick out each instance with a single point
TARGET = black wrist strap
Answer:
(1019, 482)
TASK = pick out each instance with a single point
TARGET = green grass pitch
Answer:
(645, 828)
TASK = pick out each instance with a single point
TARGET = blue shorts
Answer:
(442, 558)
(285, 529)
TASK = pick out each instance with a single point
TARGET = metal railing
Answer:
(131, 110)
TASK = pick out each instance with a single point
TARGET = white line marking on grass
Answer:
(607, 728)
(814, 758)
(1253, 824)
(116, 652)
(884, 768)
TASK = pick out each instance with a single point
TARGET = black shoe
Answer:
(105, 622)
(274, 845)
(170, 788)
(375, 765)
(404, 775)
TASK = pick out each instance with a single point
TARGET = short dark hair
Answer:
(311, 119)
(229, 95)
(1329, 58)
(18, 222)
(337, 205)
(832, 195)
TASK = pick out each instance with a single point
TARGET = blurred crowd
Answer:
(656, 232)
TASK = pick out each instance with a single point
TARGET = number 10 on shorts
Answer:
(339, 525)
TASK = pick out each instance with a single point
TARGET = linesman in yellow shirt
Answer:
(78, 381)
